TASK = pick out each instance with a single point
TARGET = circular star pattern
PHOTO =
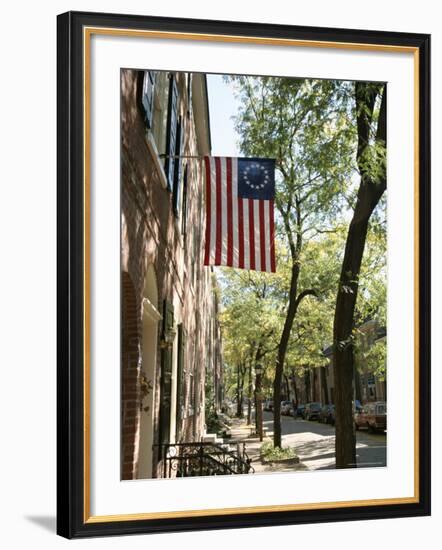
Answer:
(256, 176)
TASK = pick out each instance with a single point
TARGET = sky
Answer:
(222, 108)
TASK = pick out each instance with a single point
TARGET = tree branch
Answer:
(303, 294)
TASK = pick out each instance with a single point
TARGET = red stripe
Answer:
(240, 234)
(208, 210)
(262, 242)
(229, 213)
(272, 238)
(218, 211)
(251, 234)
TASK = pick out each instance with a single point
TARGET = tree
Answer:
(249, 323)
(371, 142)
(306, 126)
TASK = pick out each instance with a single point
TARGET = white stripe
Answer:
(267, 234)
(235, 211)
(257, 235)
(245, 208)
(213, 211)
(223, 211)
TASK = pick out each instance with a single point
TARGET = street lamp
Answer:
(258, 389)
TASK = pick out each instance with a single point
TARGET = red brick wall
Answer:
(151, 235)
(130, 399)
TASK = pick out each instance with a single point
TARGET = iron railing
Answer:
(203, 459)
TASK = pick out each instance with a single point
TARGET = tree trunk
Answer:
(315, 396)
(324, 385)
(282, 349)
(294, 301)
(369, 194)
(295, 389)
(343, 352)
(239, 391)
(287, 387)
(307, 385)
(249, 394)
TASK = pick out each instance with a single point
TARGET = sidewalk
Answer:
(242, 432)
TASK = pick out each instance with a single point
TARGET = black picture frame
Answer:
(72, 517)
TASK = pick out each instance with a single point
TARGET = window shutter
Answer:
(171, 136)
(184, 208)
(166, 376)
(178, 166)
(189, 94)
(192, 394)
(168, 317)
(147, 96)
(180, 379)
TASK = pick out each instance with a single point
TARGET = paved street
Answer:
(315, 443)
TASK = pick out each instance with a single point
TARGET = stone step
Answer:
(213, 438)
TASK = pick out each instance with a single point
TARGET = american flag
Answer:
(240, 229)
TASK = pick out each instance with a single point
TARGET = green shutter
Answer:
(168, 316)
(171, 136)
(166, 376)
(178, 166)
(180, 379)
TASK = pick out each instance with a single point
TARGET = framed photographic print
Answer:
(243, 274)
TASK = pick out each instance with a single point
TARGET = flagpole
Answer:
(196, 157)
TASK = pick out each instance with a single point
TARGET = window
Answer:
(147, 96)
(189, 94)
(178, 167)
(172, 143)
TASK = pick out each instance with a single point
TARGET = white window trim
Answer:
(156, 158)
(151, 311)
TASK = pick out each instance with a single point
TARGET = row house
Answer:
(316, 384)
(169, 304)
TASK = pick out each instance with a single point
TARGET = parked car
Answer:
(312, 411)
(327, 414)
(287, 408)
(300, 411)
(372, 416)
(268, 405)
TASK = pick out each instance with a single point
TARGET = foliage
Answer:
(309, 127)
(146, 387)
(213, 423)
(371, 119)
(372, 358)
(271, 453)
(254, 303)
(250, 319)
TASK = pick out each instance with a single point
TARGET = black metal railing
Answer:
(203, 459)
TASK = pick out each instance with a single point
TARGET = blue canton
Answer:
(256, 178)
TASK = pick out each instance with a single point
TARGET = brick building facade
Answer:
(171, 345)
(318, 383)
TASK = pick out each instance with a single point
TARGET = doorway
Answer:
(151, 318)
